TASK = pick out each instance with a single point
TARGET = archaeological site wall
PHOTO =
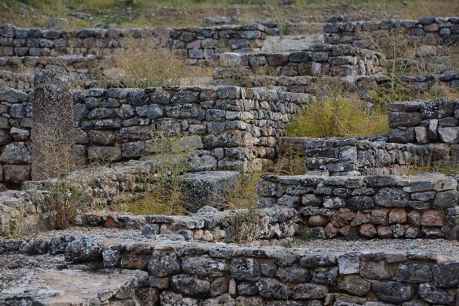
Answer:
(367, 206)
(425, 31)
(224, 127)
(194, 43)
(318, 60)
(183, 273)
(425, 122)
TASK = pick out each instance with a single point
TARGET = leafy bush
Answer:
(339, 117)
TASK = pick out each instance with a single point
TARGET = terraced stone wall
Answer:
(192, 274)
(15, 128)
(221, 127)
(355, 207)
(204, 44)
(229, 127)
(208, 224)
(320, 60)
(17, 72)
(194, 43)
(361, 156)
(425, 31)
(48, 42)
(425, 122)
(31, 210)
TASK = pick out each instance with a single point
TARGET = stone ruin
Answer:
(353, 229)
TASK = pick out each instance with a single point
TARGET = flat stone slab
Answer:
(46, 280)
(208, 188)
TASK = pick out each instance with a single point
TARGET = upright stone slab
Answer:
(52, 124)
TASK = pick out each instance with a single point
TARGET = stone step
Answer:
(50, 280)
(192, 273)
(207, 224)
(288, 43)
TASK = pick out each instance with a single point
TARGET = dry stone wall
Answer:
(425, 31)
(319, 60)
(32, 210)
(17, 72)
(204, 44)
(424, 122)
(355, 207)
(183, 273)
(197, 44)
(207, 224)
(48, 42)
(362, 156)
(15, 127)
(221, 127)
(233, 128)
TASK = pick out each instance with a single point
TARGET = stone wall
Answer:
(15, 127)
(320, 60)
(204, 44)
(22, 42)
(361, 156)
(31, 210)
(229, 127)
(425, 31)
(424, 122)
(197, 44)
(220, 127)
(17, 72)
(355, 207)
(208, 224)
(183, 273)
(425, 82)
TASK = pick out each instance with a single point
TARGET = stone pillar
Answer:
(52, 124)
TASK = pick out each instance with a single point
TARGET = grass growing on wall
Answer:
(163, 194)
(338, 117)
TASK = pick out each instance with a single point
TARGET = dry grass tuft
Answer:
(244, 193)
(163, 188)
(339, 117)
(143, 65)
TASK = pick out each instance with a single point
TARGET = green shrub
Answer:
(338, 117)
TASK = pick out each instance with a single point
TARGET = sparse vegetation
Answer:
(244, 194)
(143, 65)
(289, 162)
(404, 57)
(64, 201)
(339, 117)
(163, 187)
(190, 12)
(447, 168)
(244, 226)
